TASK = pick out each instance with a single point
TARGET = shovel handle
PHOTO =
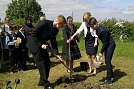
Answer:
(65, 65)
(56, 57)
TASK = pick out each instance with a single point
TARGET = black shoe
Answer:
(48, 86)
(104, 78)
(107, 82)
(41, 84)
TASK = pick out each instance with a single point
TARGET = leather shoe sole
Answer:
(48, 87)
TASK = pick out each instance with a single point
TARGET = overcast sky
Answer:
(101, 9)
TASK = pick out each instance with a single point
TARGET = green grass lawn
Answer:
(123, 64)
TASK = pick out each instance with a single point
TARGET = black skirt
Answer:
(90, 49)
(74, 52)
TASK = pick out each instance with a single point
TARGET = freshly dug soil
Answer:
(77, 80)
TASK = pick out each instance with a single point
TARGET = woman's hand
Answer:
(69, 40)
(95, 44)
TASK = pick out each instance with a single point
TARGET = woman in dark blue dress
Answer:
(91, 48)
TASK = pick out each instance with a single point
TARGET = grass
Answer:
(123, 64)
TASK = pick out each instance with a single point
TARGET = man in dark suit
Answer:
(108, 46)
(44, 31)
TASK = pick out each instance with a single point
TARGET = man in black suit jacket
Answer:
(44, 31)
(108, 46)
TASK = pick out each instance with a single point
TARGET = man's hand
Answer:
(59, 58)
(44, 46)
(100, 54)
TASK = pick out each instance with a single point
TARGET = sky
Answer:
(100, 9)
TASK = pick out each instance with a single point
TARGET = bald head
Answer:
(42, 18)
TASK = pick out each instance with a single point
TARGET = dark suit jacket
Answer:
(22, 45)
(105, 37)
(40, 34)
(28, 29)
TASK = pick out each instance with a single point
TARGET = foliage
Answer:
(120, 29)
(18, 21)
(77, 24)
(19, 9)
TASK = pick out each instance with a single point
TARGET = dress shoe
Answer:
(104, 78)
(48, 87)
(41, 84)
(107, 82)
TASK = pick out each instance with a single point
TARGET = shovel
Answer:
(51, 51)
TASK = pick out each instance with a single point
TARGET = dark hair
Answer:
(28, 18)
(20, 26)
(92, 21)
(69, 17)
(12, 27)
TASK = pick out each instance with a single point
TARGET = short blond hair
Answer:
(61, 19)
(86, 16)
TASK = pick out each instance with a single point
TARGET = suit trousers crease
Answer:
(108, 57)
(42, 61)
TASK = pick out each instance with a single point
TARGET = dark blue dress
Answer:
(89, 44)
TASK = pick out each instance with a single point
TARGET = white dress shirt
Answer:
(84, 27)
(22, 32)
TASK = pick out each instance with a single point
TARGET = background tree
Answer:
(19, 9)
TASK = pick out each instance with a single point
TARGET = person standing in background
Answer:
(5, 29)
(22, 46)
(13, 47)
(28, 30)
(42, 18)
(70, 52)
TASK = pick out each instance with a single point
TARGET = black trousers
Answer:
(15, 59)
(108, 57)
(6, 54)
(23, 59)
(42, 61)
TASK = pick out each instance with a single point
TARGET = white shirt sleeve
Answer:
(81, 28)
(93, 32)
